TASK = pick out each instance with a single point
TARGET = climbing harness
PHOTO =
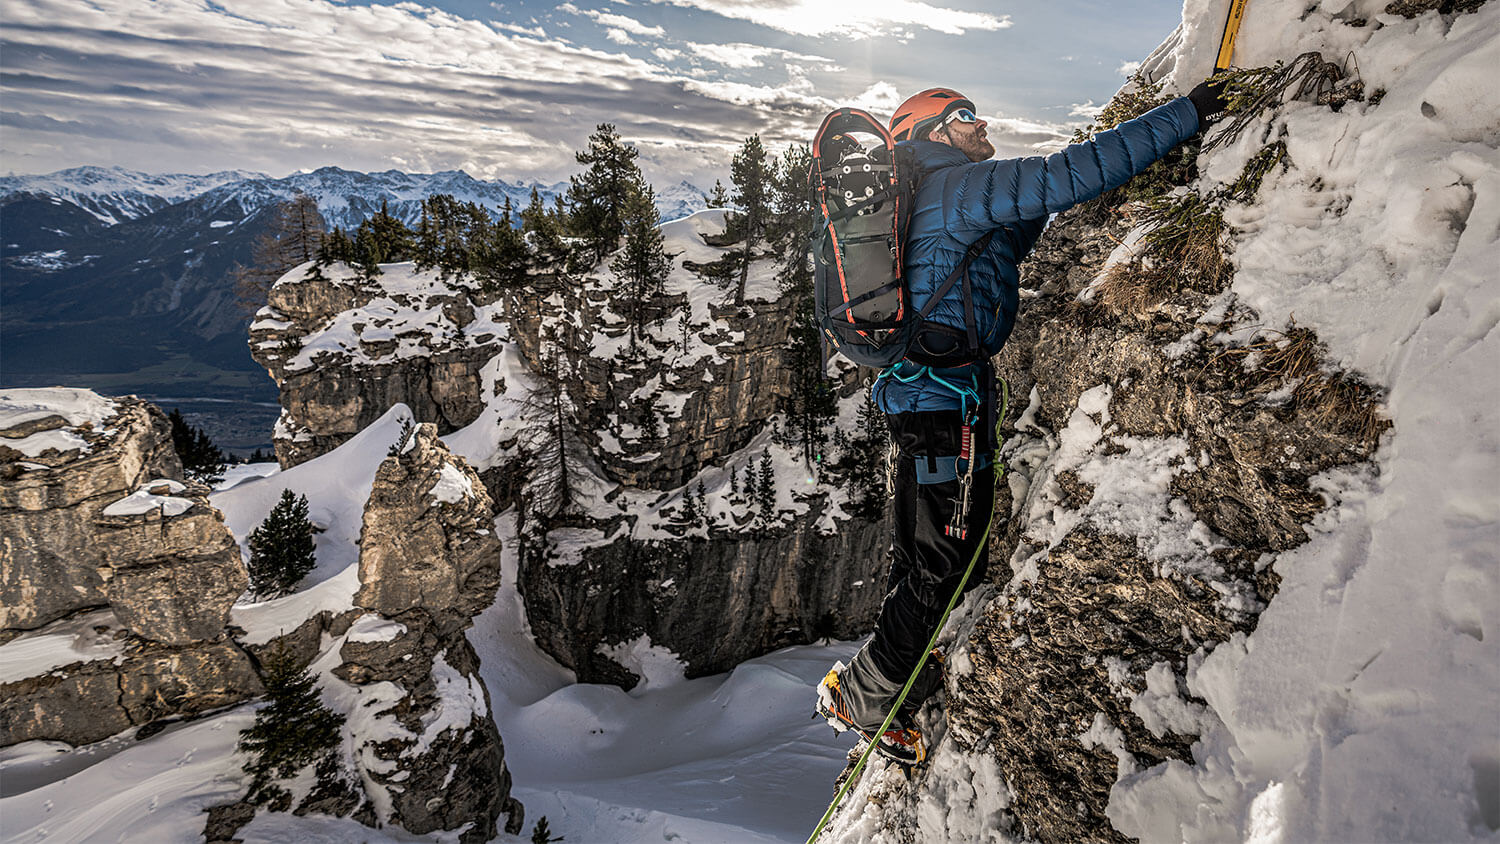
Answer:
(936, 470)
(931, 643)
(1231, 28)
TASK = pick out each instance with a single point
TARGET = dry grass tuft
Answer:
(1336, 401)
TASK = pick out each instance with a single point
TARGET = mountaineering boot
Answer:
(857, 697)
(929, 682)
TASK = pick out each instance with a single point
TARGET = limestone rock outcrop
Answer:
(429, 561)
(1104, 589)
(344, 350)
(94, 518)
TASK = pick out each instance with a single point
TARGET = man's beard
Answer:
(972, 144)
(976, 147)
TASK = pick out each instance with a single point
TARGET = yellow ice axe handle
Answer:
(1231, 27)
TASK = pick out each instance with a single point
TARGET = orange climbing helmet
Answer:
(922, 111)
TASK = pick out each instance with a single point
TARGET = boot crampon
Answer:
(901, 742)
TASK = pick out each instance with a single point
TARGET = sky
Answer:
(509, 90)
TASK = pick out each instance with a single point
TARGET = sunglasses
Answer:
(962, 115)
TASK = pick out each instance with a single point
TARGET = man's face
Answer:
(967, 138)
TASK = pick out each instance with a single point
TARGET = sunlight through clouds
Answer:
(849, 18)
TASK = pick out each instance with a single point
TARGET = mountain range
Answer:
(119, 280)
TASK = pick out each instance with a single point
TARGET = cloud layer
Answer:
(277, 85)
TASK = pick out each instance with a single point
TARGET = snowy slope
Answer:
(1366, 705)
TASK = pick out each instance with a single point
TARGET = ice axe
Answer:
(1231, 28)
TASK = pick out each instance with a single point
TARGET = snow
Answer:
(80, 407)
(657, 666)
(373, 627)
(337, 485)
(453, 486)
(144, 500)
(85, 637)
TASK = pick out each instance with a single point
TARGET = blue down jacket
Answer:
(957, 201)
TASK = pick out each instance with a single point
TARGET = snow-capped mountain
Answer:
(113, 195)
(345, 197)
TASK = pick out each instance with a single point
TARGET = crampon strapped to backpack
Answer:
(863, 190)
(864, 198)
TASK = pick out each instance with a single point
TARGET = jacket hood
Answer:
(931, 155)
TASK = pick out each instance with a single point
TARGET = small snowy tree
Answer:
(541, 834)
(765, 488)
(281, 548)
(718, 197)
(290, 732)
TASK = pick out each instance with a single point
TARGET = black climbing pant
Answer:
(927, 564)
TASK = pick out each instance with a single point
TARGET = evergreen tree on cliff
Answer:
(391, 236)
(290, 732)
(498, 256)
(642, 264)
(292, 236)
(811, 403)
(282, 551)
(543, 232)
(597, 197)
(750, 173)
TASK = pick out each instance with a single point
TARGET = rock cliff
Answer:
(429, 561)
(344, 350)
(116, 578)
(635, 420)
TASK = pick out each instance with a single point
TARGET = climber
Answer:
(942, 417)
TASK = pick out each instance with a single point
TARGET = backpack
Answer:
(861, 301)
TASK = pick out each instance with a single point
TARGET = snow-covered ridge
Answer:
(345, 197)
(114, 195)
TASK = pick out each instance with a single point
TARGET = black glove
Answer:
(1208, 98)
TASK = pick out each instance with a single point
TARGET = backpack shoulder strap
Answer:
(959, 271)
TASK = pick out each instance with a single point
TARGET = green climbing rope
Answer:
(931, 643)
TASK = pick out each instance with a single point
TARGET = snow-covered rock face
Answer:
(1244, 543)
(427, 539)
(96, 527)
(427, 749)
(92, 517)
(343, 351)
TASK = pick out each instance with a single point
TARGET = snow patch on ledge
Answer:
(143, 500)
(452, 486)
(656, 666)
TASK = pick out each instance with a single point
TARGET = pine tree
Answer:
(392, 237)
(366, 253)
(597, 198)
(282, 551)
(718, 197)
(703, 512)
(291, 731)
(765, 488)
(337, 247)
(543, 234)
(498, 256)
(202, 461)
(643, 264)
(293, 233)
(734, 481)
(750, 175)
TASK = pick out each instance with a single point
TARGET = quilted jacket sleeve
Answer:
(981, 196)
